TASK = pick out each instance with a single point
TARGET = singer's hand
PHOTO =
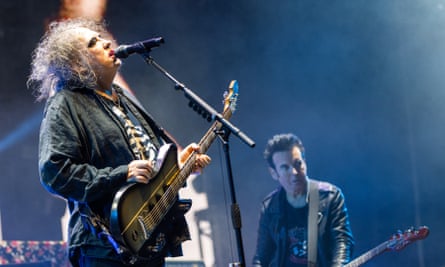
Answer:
(140, 171)
(201, 160)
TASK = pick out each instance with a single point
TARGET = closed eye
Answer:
(92, 42)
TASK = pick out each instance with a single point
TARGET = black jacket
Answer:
(335, 240)
(83, 158)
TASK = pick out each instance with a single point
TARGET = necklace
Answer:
(114, 97)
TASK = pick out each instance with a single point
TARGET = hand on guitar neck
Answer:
(201, 160)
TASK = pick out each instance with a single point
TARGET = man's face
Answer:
(102, 61)
(290, 170)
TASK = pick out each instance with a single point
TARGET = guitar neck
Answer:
(397, 242)
(210, 135)
(368, 255)
(204, 145)
(169, 196)
(178, 176)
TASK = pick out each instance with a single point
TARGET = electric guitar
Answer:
(397, 242)
(138, 209)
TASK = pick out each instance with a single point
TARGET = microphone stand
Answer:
(227, 128)
(223, 134)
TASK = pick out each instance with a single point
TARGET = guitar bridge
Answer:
(144, 229)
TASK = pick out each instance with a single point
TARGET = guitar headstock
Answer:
(230, 97)
(400, 240)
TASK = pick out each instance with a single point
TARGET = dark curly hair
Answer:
(281, 142)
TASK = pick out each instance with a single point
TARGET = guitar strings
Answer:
(155, 215)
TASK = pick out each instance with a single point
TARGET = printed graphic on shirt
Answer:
(149, 149)
(297, 250)
(140, 142)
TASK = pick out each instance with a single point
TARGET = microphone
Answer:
(141, 47)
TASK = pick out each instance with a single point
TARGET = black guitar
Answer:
(138, 209)
(396, 242)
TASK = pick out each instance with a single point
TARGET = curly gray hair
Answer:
(59, 61)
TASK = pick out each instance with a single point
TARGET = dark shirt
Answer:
(296, 224)
(335, 240)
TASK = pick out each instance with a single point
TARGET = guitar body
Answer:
(139, 210)
(134, 220)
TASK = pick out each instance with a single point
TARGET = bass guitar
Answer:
(138, 209)
(396, 243)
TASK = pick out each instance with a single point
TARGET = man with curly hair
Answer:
(96, 138)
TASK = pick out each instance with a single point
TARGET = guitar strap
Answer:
(99, 227)
(158, 129)
(313, 223)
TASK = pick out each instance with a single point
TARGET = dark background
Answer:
(361, 82)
